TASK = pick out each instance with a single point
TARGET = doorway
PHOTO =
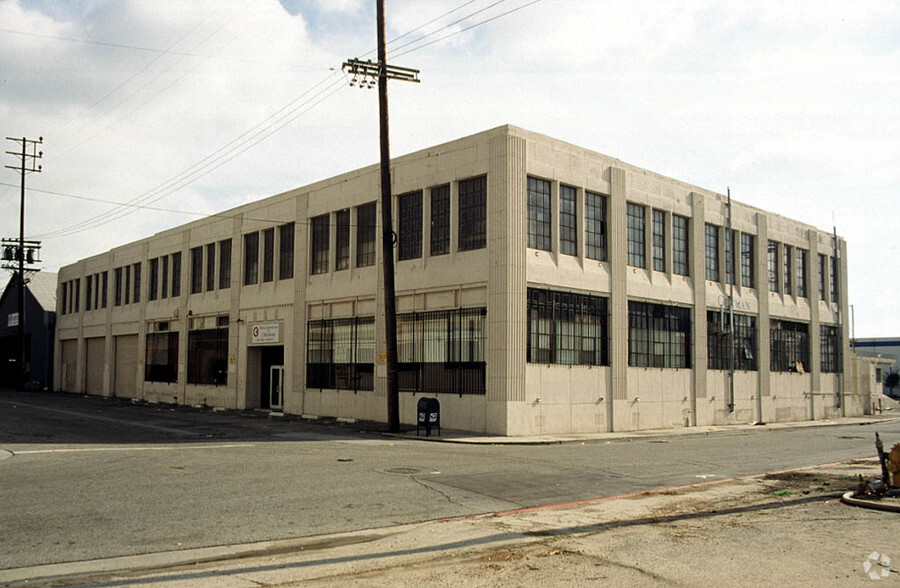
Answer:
(271, 357)
(276, 387)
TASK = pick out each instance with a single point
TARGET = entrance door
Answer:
(276, 386)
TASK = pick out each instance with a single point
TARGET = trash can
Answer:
(428, 415)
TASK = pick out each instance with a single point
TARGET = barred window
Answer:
(680, 246)
(567, 328)
(658, 335)
(787, 268)
(730, 252)
(340, 354)
(635, 235)
(342, 238)
(833, 280)
(365, 235)
(442, 351)
(440, 220)
(789, 346)
(286, 251)
(196, 270)
(161, 362)
(747, 273)
(712, 253)
(207, 357)
(473, 213)
(154, 278)
(225, 263)
(724, 342)
(251, 258)
(830, 347)
(772, 265)
(823, 260)
(137, 282)
(659, 240)
(539, 214)
(801, 255)
(268, 255)
(568, 228)
(595, 226)
(319, 249)
(410, 238)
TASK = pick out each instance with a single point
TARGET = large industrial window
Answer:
(658, 335)
(801, 273)
(196, 270)
(823, 260)
(161, 363)
(789, 345)
(225, 264)
(251, 258)
(136, 269)
(747, 273)
(659, 240)
(442, 351)
(712, 253)
(539, 214)
(207, 357)
(286, 251)
(730, 249)
(365, 235)
(772, 265)
(787, 267)
(830, 347)
(724, 342)
(319, 250)
(176, 274)
(440, 220)
(410, 238)
(595, 226)
(568, 228)
(473, 214)
(635, 236)
(340, 354)
(268, 273)
(833, 280)
(567, 328)
(342, 239)
(680, 246)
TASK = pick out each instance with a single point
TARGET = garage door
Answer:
(95, 361)
(125, 385)
(69, 374)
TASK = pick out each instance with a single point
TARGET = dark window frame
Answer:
(319, 244)
(711, 247)
(210, 267)
(251, 258)
(658, 239)
(743, 342)
(568, 220)
(636, 234)
(409, 211)
(440, 220)
(342, 240)
(159, 347)
(659, 335)
(788, 346)
(207, 357)
(681, 261)
(748, 245)
(268, 266)
(772, 265)
(197, 269)
(340, 354)
(366, 223)
(472, 214)
(224, 264)
(595, 228)
(566, 328)
(830, 346)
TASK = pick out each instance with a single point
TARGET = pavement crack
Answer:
(439, 491)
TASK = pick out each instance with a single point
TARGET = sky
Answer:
(192, 107)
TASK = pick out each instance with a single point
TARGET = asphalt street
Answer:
(85, 478)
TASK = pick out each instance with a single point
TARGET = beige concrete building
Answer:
(541, 288)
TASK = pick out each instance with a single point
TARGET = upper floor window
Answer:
(712, 252)
(440, 220)
(251, 258)
(595, 226)
(801, 255)
(659, 240)
(268, 255)
(568, 224)
(320, 240)
(342, 240)
(635, 237)
(823, 261)
(176, 274)
(136, 268)
(787, 268)
(286, 251)
(772, 265)
(225, 263)
(538, 214)
(833, 279)
(680, 246)
(196, 270)
(164, 277)
(210, 267)
(154, 278)
(730, 252)
(410, 238)
(747, 273)
(365, 235)
(473, 213)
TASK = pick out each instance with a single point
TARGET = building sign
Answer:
(267, 333)
(12, 320)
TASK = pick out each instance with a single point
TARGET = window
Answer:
(88, 281)
(725, 342)
(164, 277)
(747, 242)
(210, 267)
(64, 298)
(680, 248)
(342, 239)
(196, 270)
(730, 251)
(225, 263)
(251, 258)
(440, 220)
(789, 344)
(830, 348)
(658, 335)
(833, 279)
(127, 271)
(207, 357)
(772, 265)
(595, 226)
(340, 354)
(659, 241)
(568, 228)
(136, 270)
(473, 214)
(635, 237)
(410, 226)
(78, 294)
(712, 253)
(268, 255)
(154, 278)
(442, 351)
(801, 273)
(365, 235)
(319, 251)
(161, 364)
(538, 214)
(286, 250)
(787, 268)
(566, 328)
(822, 262)
(97, 288)
(117, 296)
(103, 289)
(176, 274)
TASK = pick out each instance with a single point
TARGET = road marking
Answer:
(88, 449)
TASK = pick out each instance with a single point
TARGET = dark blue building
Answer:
(40, 324)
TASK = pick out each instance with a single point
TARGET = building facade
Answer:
(541, 288)
(40, 323)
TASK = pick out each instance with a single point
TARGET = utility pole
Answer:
(364, 73)
(28, 157)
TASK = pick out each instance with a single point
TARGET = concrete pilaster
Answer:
(618, 323)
